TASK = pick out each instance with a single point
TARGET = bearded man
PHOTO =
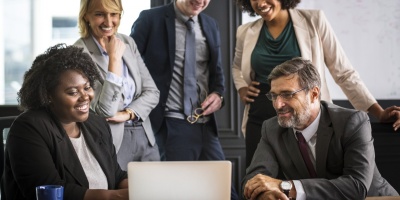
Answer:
(323, 150)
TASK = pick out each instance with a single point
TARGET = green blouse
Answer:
(270, 52)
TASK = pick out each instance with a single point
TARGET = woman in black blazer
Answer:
(57, 140)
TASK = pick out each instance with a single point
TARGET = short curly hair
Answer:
(245, 5)
(43, 77)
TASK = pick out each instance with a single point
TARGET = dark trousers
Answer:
(182, 141)
(178, 140)
(260, 110)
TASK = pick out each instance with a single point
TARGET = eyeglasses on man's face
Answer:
(283, 95)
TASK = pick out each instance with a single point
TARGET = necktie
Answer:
(304, 153)
(189, 79)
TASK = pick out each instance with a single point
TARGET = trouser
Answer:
(136, 147)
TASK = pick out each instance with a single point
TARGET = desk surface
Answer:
(384, 198)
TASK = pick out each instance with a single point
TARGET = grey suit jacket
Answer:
(345, 156)
(108, 96)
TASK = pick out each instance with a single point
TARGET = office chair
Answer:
(5, 122)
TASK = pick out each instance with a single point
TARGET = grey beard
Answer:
(297, 120)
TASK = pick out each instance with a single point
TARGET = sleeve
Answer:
(339, 66)
(139, 32)
(264, 159)
(217, 79)
(144, 103)
(108, 92)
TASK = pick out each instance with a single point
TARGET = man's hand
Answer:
(212, 103)
(260, 184)
(273, 195)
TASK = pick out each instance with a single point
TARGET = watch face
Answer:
(286, 185)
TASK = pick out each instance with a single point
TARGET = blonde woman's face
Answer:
(102, 23)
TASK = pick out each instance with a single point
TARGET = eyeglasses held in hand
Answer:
(196, 114)
(283, 95)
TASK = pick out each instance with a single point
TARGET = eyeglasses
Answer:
(196, 114)
(283, 95)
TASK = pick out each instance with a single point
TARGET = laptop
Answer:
(180, 180)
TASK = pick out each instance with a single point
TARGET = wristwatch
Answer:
(286, 186)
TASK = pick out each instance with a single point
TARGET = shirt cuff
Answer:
(113, 78)
(137, 118)
(301, 195)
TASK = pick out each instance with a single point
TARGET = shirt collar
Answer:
(309, 132)
(100, 47)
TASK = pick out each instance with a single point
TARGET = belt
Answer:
(130, 123)
(180, 115)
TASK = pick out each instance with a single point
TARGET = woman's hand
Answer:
(391, 114)
(247, 94)
(388, 115)
(115, 49)
(120, 116)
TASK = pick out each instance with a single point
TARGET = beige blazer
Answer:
(108, 98)
(317, 43)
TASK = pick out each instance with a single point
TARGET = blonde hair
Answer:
(86, 7)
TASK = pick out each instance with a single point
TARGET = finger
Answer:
(249, 100)
(212, 107)
(255, 83)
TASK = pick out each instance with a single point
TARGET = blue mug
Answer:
(49, 192)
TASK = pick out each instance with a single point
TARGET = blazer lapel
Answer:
(250, 41)
(302, 34)
(324, 136)
(294, 153)
(170, 25)
(96, 55)
(71, 161)
(90, 141)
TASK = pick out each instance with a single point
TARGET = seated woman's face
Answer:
(103, 23)
(70, 101)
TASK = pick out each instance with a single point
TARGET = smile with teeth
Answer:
(83, 107)
(264, 10)
(106, 28)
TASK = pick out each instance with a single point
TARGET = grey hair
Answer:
(308, 74)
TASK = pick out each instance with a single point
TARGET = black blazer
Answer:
(154, 34)
(39, 152)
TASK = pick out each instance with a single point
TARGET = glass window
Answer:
(29, 27)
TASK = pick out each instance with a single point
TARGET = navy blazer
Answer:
(154, 34)
(39, 152)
